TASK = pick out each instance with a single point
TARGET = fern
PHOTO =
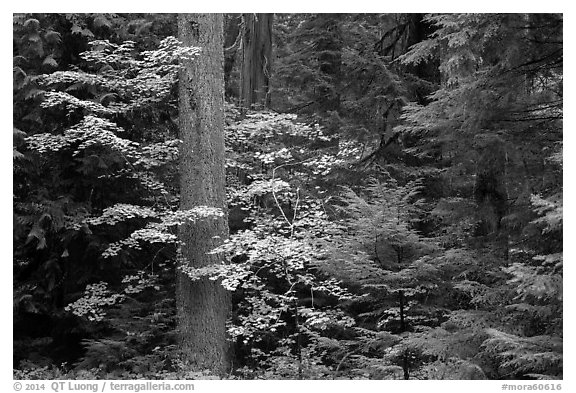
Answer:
(522, 356)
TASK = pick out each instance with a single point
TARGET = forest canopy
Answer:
(288, 196)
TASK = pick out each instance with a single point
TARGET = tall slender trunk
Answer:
(202, 306)
(405, 359)
(490, 188)
(402, 322)
(406, 365)
(328, 51)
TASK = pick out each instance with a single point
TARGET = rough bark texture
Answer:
(256, 60)
(204, 305)
(231, 45)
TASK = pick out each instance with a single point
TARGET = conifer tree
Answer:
(256, 60)
(203, 305)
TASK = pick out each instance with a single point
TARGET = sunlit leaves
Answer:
(139, 282)
(121, 212)
(160, 231)
(138, 81)
(92, 305)
(92, 131)
(71, 103)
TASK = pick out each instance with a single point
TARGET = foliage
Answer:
(99, 170)
(398, 216)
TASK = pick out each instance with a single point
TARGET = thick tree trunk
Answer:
(256, 60)
(204, 305)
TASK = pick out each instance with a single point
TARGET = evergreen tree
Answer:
(204, 305)
(398, 215)
(256, 60)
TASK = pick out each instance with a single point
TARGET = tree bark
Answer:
(231, 46)
(256, 60)
(328, 48)
(202, 306)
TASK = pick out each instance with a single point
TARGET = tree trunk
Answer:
(231, 45)
(328, 48)
(256, 60)
(406, 365)
(402, 322)
(490, 187)
(203, 305)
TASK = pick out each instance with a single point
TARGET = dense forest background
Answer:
(393, 196)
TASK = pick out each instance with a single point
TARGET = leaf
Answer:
(105, 99)
(19, 59)
(17, 133)
(33, 93)
(37, 233)
(16, 155)
(143, 28)
(32, 24)
(31, 308)
(50, 62)
(75, 87)
(33, 117)
(34, 38)
(53, 37)
(102, 21)
(87, 33)
(17, 71)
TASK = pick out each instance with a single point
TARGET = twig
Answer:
(295, 211)
(274, 192)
